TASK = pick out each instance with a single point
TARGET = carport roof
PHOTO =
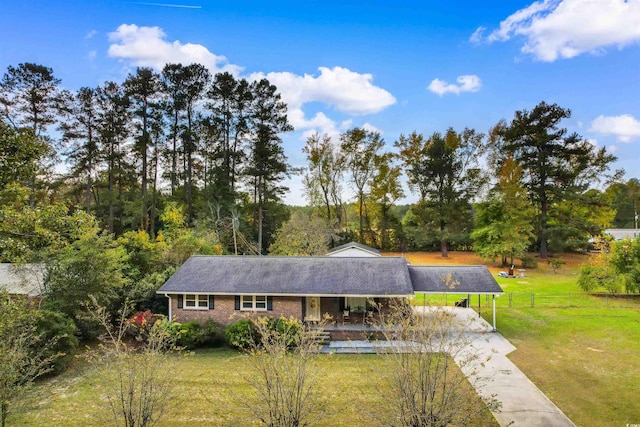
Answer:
(474, 279)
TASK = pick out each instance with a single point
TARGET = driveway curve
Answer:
(523, 404)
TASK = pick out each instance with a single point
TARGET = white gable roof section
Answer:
(353, 249)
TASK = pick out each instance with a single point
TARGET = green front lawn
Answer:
(584, 356)
(587, 361)
(212, 383)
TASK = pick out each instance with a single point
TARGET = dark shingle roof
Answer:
(462, 279)
(367, 276)
(355, 245)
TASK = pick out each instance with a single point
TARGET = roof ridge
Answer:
(296, 257)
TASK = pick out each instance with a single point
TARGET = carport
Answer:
(463, 281)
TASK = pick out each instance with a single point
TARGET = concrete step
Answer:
(366, 347)
(323, 338)
(348, 350)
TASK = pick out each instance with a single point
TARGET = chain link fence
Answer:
(535, 300)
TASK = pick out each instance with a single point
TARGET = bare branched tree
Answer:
(424, 387)
(137, 379)
(284, 373)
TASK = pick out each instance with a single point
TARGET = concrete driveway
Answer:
(523, 404)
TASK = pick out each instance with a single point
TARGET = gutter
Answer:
(170, 317)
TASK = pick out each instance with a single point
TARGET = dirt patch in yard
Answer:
(435, 258)
(572, 260)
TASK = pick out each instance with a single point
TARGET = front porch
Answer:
(367, 338)
(352, 332)
(346, 317)
(345, 310)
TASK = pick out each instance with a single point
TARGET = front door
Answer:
(313, 309)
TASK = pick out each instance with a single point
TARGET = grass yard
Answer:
(210, 385)
(584, 357)
(587, 361)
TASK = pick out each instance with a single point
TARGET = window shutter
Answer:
(303, 300)
(180, 301)
(237, 307)
(342, 306)
(270, 303)
(211, 302)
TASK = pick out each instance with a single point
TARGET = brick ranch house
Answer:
(343, 285)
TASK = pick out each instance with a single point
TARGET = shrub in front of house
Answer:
(241, 334)
(212, 334)
(290, 327)
(189, 335)
(192, 335)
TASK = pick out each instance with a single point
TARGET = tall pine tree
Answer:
(555, 163)
(267, 164)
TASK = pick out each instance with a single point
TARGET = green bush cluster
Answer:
(244, 334)
(193, 335)
(615, 271)
(55, 327)
(291, 327)
(241, 334)
(52, 336)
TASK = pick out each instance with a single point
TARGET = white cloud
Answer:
(371, 128)
(319, 123)
(625, 127)
(476, 37)
(612, 149)
(148, 47)
(566, 28)
(91, 55)
(348, 91)
(515, 22)
(467, 83)
(346, 124)
(90, 34)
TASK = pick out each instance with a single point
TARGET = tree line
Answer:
(214, 142)
(527, 184)
(211, 146)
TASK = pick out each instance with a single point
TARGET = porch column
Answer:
(494, 311)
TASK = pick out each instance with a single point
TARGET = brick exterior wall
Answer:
(225, 312)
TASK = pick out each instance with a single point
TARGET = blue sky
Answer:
(391, 66)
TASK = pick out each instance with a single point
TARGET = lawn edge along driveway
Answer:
(522, 403)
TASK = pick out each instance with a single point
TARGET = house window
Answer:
(196, 302)
(253, 303)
